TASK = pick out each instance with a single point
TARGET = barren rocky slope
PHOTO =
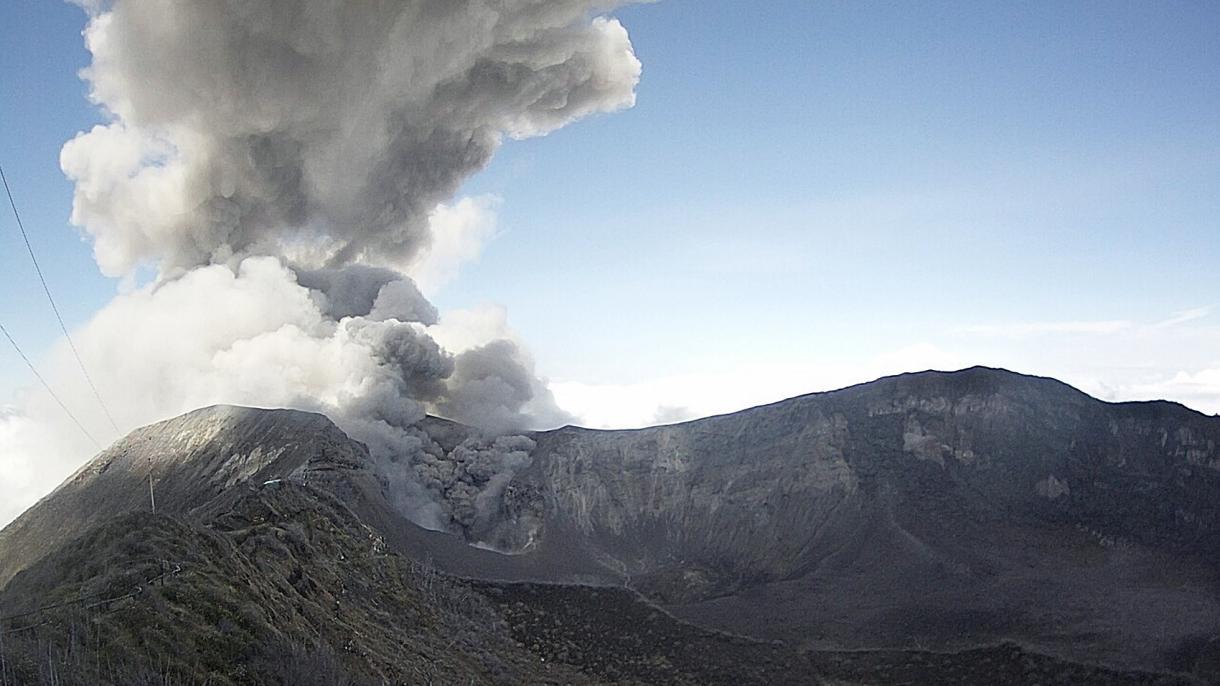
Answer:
(926, 511)
(289, 587)
(196, 459)
(772, 491)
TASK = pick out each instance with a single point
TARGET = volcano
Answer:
(927, 514)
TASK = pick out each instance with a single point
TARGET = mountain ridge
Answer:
(925, 374)
(940, 509)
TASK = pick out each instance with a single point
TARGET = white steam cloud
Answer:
(287, 167)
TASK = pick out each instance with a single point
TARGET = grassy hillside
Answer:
(286, 588)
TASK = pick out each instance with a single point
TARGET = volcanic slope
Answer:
(289, 587)
(931, 510)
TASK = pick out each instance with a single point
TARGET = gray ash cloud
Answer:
(284, 165)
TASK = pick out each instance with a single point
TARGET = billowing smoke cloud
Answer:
(469, 480)
(319, 128)
(286, 167)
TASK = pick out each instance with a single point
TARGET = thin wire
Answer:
(54, 308)
(48, 387)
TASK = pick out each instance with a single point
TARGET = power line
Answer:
(48, 387)
(54, 308)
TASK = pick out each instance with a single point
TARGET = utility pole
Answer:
(152, 499)
(3, 661)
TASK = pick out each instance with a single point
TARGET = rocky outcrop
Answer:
(910, 511)
(766, 493)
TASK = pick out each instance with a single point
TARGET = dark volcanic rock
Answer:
(917, 510)
(288, 586)
(932, 511)
(610, 633)
(766, 493)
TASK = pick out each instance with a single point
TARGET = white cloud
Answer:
(22, 463)
(1185, 316)
(1199, 389)
(1176, 359)
(461, 330)
(630, 405)
(256, 336)
(1086, 327)
(1024, 329)
(458, 234)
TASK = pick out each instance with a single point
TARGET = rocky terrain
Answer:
(289, 587)
(916, 528)
(914, 511)
(197, 460)
(286, 587)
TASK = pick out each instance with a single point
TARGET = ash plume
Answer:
(286, 167)
(325, 129)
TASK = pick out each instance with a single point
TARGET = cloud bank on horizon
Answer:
(286, 167)
(1113, 361)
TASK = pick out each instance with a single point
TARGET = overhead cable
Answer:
(55, 308)
(47, 386)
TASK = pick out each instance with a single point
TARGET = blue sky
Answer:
(804, 195)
